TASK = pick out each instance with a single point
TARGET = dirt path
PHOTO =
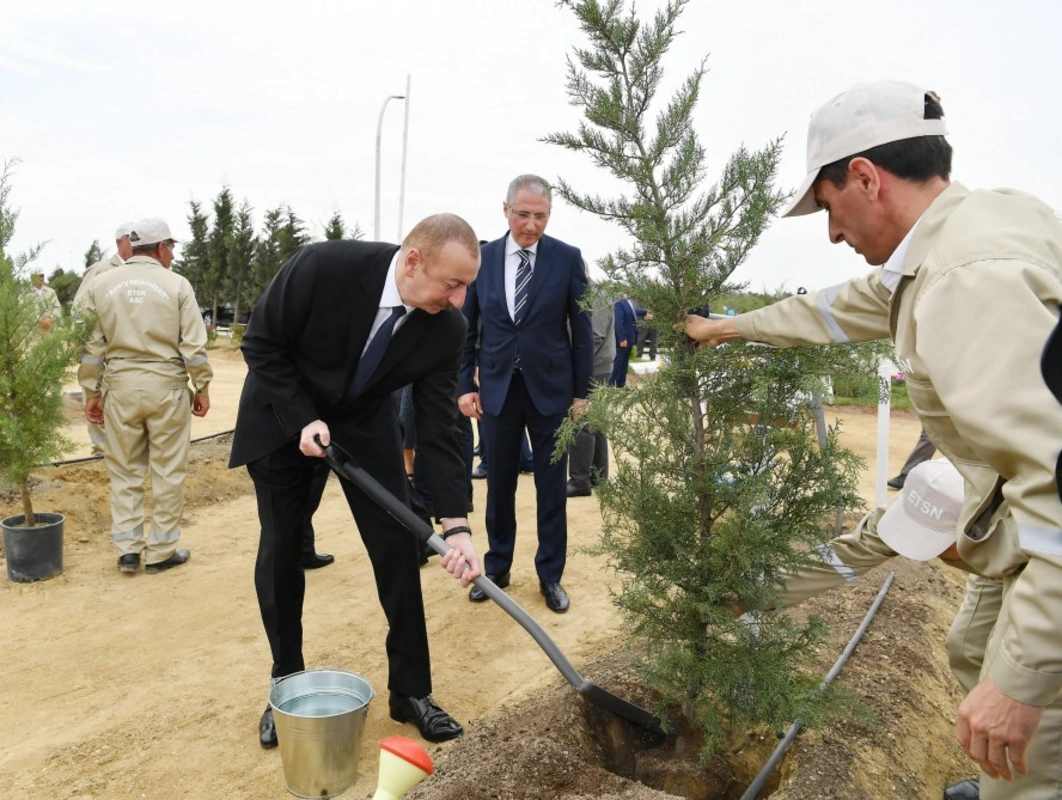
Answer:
(151, 686)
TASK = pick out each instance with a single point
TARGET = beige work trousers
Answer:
(973, 642)
(147, 427)
(983, 618)
(97, 437)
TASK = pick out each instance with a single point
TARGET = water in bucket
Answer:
(320, 715)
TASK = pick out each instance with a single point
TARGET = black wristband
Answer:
(446, 534)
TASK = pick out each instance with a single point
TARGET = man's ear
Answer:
(412, 261)
(505, 208)
(866, 176)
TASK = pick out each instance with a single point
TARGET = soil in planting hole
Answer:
(557, 746)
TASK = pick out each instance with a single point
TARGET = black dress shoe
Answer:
(477, 595)
(556, 597)
(178, 558)
(434, 724)
(528, 469)
(316, 560)
(574, 491)
(480, 472)
(267, 731)
(969, 789)
(129, 563)
(897, 482)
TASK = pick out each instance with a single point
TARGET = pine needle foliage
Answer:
(722, 480)
(33, 366)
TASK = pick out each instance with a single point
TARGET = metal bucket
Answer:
(320, 715)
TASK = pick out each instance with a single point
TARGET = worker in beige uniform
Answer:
(967, 284)
(122, 253)
(49, 309)
(148, 342)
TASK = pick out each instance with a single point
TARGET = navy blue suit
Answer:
(626, 330)
(553, 370)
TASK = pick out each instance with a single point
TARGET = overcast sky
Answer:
(121, 110)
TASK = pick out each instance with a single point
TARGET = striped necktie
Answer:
(523, 280)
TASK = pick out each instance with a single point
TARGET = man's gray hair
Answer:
(533, 184)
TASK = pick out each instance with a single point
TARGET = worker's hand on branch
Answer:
(710, 332)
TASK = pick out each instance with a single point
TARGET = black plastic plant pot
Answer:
(33, 554)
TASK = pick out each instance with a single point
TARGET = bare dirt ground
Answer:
(151, 686)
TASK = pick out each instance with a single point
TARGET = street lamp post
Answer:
(405, 141)
(379, 128)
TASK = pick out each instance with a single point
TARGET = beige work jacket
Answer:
(148, 332)
(980, 292)
(103, 265)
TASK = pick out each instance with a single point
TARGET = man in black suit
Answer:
(531, 373)
(343, 325)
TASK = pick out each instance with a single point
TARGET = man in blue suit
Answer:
(531, 373)
(627, 315)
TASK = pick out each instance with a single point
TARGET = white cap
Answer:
(923, 521)
(867, 115)
(149, 231)
(124, 230)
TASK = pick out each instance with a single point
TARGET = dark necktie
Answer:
(523, 279)
(374, 353)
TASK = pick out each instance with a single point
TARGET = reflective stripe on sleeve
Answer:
(832, 559)
(825, 302)
(1038, 539)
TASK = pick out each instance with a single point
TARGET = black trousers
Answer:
(283, 481)
(502, 437)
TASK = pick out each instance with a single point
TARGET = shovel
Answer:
(345, 466)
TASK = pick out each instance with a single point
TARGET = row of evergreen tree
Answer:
(228, 263)
(225, 260)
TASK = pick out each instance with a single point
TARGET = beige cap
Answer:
(923, 521)
(124, 230)
(149, 231)
(867, 115)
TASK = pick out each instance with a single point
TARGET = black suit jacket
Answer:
(302, 346)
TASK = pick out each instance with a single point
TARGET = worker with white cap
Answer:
(149, 340)
(967, 285)
(121, 254)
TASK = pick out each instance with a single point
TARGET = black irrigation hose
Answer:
(754, 788)
(97, 458)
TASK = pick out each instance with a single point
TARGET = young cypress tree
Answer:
(721, 481)
(33, 365)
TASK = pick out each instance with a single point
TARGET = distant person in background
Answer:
(49, 309)
(588, 455)
(122, 253)
(627, 315)
(648, 336)
(923, 451)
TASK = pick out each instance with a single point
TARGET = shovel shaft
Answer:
(349, 469)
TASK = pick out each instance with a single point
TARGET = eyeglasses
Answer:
(524, 216)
